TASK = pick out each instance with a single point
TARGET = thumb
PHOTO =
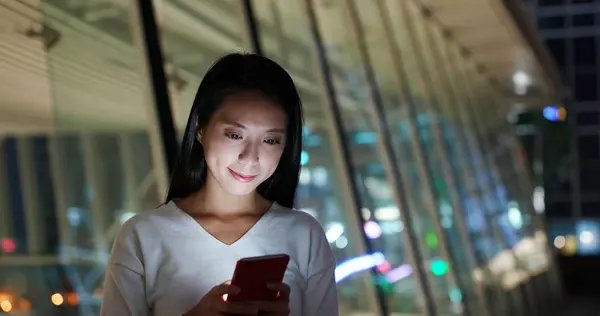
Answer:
(224, 288)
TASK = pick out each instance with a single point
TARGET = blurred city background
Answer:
(450, 147)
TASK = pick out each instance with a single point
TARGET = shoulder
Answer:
(146, 223)
(297, 221)
(138, 231)
(307, 233)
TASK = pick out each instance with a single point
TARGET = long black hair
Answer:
(232, 74)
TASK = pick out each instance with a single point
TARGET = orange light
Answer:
(570, 246)
(562, 114)
(5, 296)
(24, 305)
(72, 298)
(57, 299)
(6, 306)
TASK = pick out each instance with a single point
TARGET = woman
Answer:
(230, 197)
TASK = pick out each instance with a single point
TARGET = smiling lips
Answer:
(240, 177)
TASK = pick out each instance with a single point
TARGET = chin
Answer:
(240, 188)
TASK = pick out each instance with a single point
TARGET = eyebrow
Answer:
(272, 130)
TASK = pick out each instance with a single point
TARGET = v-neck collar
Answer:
(262, 221)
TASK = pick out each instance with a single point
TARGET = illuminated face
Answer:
(243, 141)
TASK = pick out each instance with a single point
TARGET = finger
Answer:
(282, 288)
(223, 289)
(235, 308)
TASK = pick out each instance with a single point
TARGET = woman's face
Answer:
(243, 141)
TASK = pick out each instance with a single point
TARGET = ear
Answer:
(199, 136)
(199, 133)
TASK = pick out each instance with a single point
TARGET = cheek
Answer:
(220, 152)
(270, 159)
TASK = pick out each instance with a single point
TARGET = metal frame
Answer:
(401, 78)
(389, 159)
(469, 173)
(129, 172)
(340, 142)
(146, 34)
(253, 27)
(99, 211)
(524, 299)
(530, 295)
(526, 186)
(434, 105)
(35, 230)
(6, 229)
(436, 40)
(59, 188)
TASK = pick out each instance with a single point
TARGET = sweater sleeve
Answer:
(321, 294)
(320, 297)
(124, 284)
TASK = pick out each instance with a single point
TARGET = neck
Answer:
(213, 199)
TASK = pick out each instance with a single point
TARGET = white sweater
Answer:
(163, 262)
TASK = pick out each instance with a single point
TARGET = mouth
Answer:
(241, 177)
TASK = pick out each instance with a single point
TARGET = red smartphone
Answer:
(253, 274)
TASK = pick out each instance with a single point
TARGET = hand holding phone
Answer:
(213, 304)
(259, 279)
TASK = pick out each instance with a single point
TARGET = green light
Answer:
(384, 284)
(439, 267)
(431, 240)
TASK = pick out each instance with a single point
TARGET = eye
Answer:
(232, 135)
(272, 141)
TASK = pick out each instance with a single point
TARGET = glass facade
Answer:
(420, 187)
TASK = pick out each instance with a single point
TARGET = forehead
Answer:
(251, 108)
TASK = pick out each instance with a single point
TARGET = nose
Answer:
(250, 154)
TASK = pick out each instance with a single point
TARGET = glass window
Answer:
(586, 87)
(587, 19)
(412, 126)
(589, 179)
(377, 195)
(590, 209)
(544, 3)
(194, 35)
(556, 146)
(551, 22)
(558, 50)
(558, 209)
(584, 51)
(588, 118)
(435, 114)
(491, 195)
(589, 147)
(286, 35)
(79, 83)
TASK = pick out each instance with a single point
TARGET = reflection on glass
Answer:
(286, 38)
(194, 34)
(440, 120)
(447, 293)
(383, 224)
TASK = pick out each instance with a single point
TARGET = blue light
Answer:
(357, 264)
(365, 138)
(312, 141)
(304, 158)
(551, 113)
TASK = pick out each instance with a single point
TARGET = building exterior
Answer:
(409, 163)
(570, 30)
